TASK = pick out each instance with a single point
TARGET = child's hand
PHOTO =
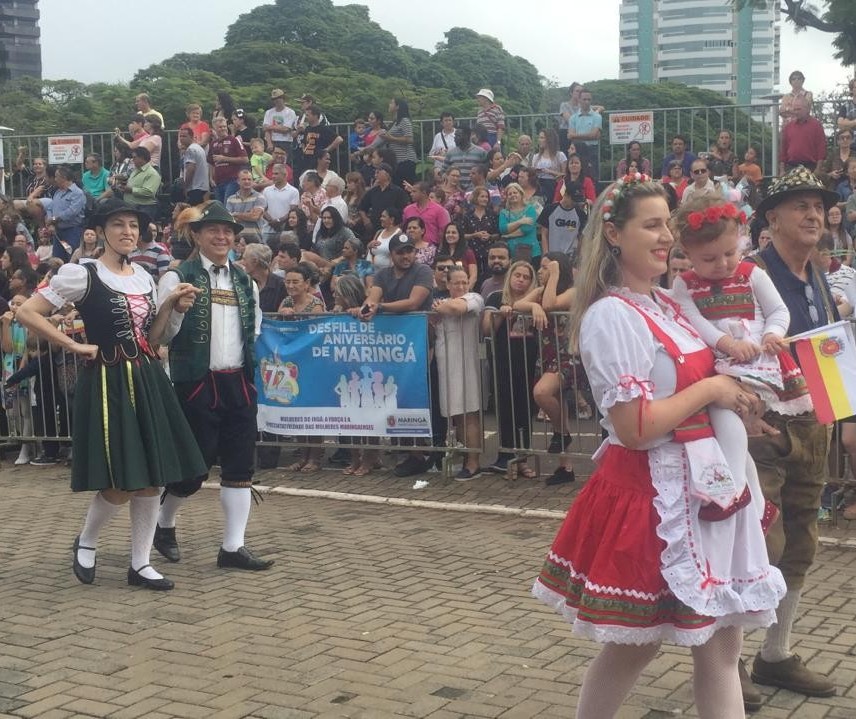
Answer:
(773, 344)
(740, 350)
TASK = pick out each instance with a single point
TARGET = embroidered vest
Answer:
(106, 316)
(190, 349)
(720, 299)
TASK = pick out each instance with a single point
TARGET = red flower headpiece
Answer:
(696, 220)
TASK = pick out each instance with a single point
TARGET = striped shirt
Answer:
(154, 258)
(464, 161)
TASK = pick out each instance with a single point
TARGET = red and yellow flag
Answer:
(827, 358)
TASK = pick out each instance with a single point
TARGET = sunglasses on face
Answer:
(700, 172)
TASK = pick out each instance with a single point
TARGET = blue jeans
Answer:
(224, 190)
(71, 236)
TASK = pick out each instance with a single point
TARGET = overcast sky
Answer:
(80, 39)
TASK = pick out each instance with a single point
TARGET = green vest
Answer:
(190, 349)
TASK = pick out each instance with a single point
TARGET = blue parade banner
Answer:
(335, 374)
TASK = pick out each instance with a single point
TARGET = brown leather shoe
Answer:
(752, 699)
(793, 675)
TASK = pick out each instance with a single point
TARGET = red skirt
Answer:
(604, 567)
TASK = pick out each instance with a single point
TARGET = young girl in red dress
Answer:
(739, 313)
(633, 563)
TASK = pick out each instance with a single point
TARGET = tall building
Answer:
(704, 43)
(20, 48)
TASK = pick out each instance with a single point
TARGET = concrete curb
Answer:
(835, 542)
(404, 502)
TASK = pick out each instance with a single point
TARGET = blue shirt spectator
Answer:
(680, 154)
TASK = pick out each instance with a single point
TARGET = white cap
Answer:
(484, 92)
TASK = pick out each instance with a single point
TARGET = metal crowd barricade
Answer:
(37, 407)
(521, 355)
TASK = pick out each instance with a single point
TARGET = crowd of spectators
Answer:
(481, 205)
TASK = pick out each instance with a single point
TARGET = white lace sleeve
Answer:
(617, 351)
(67, 285)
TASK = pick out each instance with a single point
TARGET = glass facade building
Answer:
(20, 47)
(704, 43)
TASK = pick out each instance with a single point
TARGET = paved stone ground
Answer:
(370, 612)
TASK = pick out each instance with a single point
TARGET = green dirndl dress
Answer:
(128, 429)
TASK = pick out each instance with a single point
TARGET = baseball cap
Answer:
(401, 241)
(240, 113)
(385, 166)
(306, 97)
(276, 93)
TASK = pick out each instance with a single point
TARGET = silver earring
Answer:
(615, 250)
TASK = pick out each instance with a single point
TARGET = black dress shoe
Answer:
(166, 543)
(86, 575)
(242, 559)
(135, 579)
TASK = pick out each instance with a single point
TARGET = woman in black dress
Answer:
(130, 436)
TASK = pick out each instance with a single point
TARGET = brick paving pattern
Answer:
(370, 612)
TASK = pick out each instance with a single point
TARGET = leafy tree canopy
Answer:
(350, 63)
(837, 17)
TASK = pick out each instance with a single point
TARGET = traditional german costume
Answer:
(128, 429)
(212, 365)
(746, 306)
(633, 562)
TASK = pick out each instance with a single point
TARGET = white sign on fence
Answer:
(65, 150)
(626, 127)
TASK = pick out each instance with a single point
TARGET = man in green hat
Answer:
(791, 456)
(212, 367)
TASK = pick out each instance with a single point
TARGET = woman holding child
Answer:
(634, 564)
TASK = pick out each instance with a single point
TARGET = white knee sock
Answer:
(236, 513)
(716, 681)
(144, 517)
(610, 677)
(168, 509)
(777, 640)
(99, 514)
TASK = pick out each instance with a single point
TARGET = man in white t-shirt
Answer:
(279, 123)
(280, 198)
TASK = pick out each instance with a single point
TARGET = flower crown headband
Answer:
(697, 220)
(618, 189)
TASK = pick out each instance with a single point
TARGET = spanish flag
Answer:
(827, 358)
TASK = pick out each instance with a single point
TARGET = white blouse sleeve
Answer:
(69, 284)
(475, 302)
(681, 294)
(618, 351)
(777, 319)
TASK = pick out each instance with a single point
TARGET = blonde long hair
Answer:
(599, 268)
(506, 286)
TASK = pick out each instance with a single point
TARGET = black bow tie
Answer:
(216, 268)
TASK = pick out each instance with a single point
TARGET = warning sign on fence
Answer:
(626, 127)
(65, 149)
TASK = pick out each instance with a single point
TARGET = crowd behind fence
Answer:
(750, 125)
(38, 401)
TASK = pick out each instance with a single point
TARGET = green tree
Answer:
(837, 17)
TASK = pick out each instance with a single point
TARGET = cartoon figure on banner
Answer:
(280, 380)
(341, 389)
(354, 390)
(391, 393)
(378, 390)
(366, 394)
